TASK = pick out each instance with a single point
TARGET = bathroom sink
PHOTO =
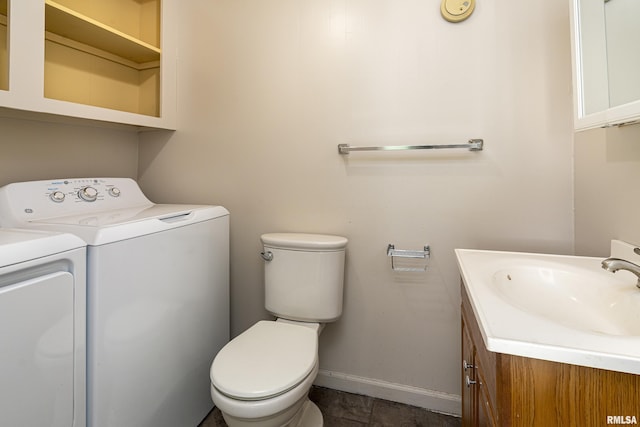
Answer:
(554, 307)
(576, 297)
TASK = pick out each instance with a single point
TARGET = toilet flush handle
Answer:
(267, 255)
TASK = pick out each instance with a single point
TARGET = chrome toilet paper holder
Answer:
(392, 252)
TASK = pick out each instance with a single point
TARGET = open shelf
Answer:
(91, 63)
(72, 25)
(111, 62)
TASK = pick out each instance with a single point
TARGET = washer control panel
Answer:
(42, 199)
(83, 190)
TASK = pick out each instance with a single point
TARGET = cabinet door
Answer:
(605, 61)
(484, 412)
(468, 412)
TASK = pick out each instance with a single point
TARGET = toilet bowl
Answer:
(262, 377)
(279, 407)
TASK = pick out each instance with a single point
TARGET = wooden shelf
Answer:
(90, 63)
(69, 24)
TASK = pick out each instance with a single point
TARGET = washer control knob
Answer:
(57, 196)
(88, 194)
(114, 192)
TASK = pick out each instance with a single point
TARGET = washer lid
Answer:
(300, 241)
(267, 359)
(100, 228)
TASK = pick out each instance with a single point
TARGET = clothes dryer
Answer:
(157, 294)
(42, 329)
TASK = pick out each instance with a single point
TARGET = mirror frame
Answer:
(612, 116)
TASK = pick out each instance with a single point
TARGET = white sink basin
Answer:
(578, 298)
(560, 308)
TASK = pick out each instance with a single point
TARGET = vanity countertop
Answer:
(554, 307)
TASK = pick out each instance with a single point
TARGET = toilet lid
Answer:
(266, 360)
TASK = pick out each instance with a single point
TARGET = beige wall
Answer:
(607, 202)
(33, 150)
(268, 89)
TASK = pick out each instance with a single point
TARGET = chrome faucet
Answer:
(615, 264)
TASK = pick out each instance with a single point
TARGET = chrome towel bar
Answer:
(472, 145)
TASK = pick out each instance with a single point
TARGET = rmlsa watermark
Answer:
(621, 419)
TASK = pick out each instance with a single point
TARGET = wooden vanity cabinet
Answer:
(506, 390)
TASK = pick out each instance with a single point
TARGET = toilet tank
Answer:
(305, 276)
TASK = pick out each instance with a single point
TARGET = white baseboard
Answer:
(433, 400)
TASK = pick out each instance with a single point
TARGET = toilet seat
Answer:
(266, 360)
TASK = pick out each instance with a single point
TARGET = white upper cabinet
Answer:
(606, 59)
(4, 60)
(107, 60)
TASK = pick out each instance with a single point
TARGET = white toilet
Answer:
(263, 376)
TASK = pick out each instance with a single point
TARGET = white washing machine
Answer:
(157, 294)
(42, 329)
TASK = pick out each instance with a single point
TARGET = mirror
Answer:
(606, 59)
(622, 33)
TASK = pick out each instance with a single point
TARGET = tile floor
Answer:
(341, 409)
